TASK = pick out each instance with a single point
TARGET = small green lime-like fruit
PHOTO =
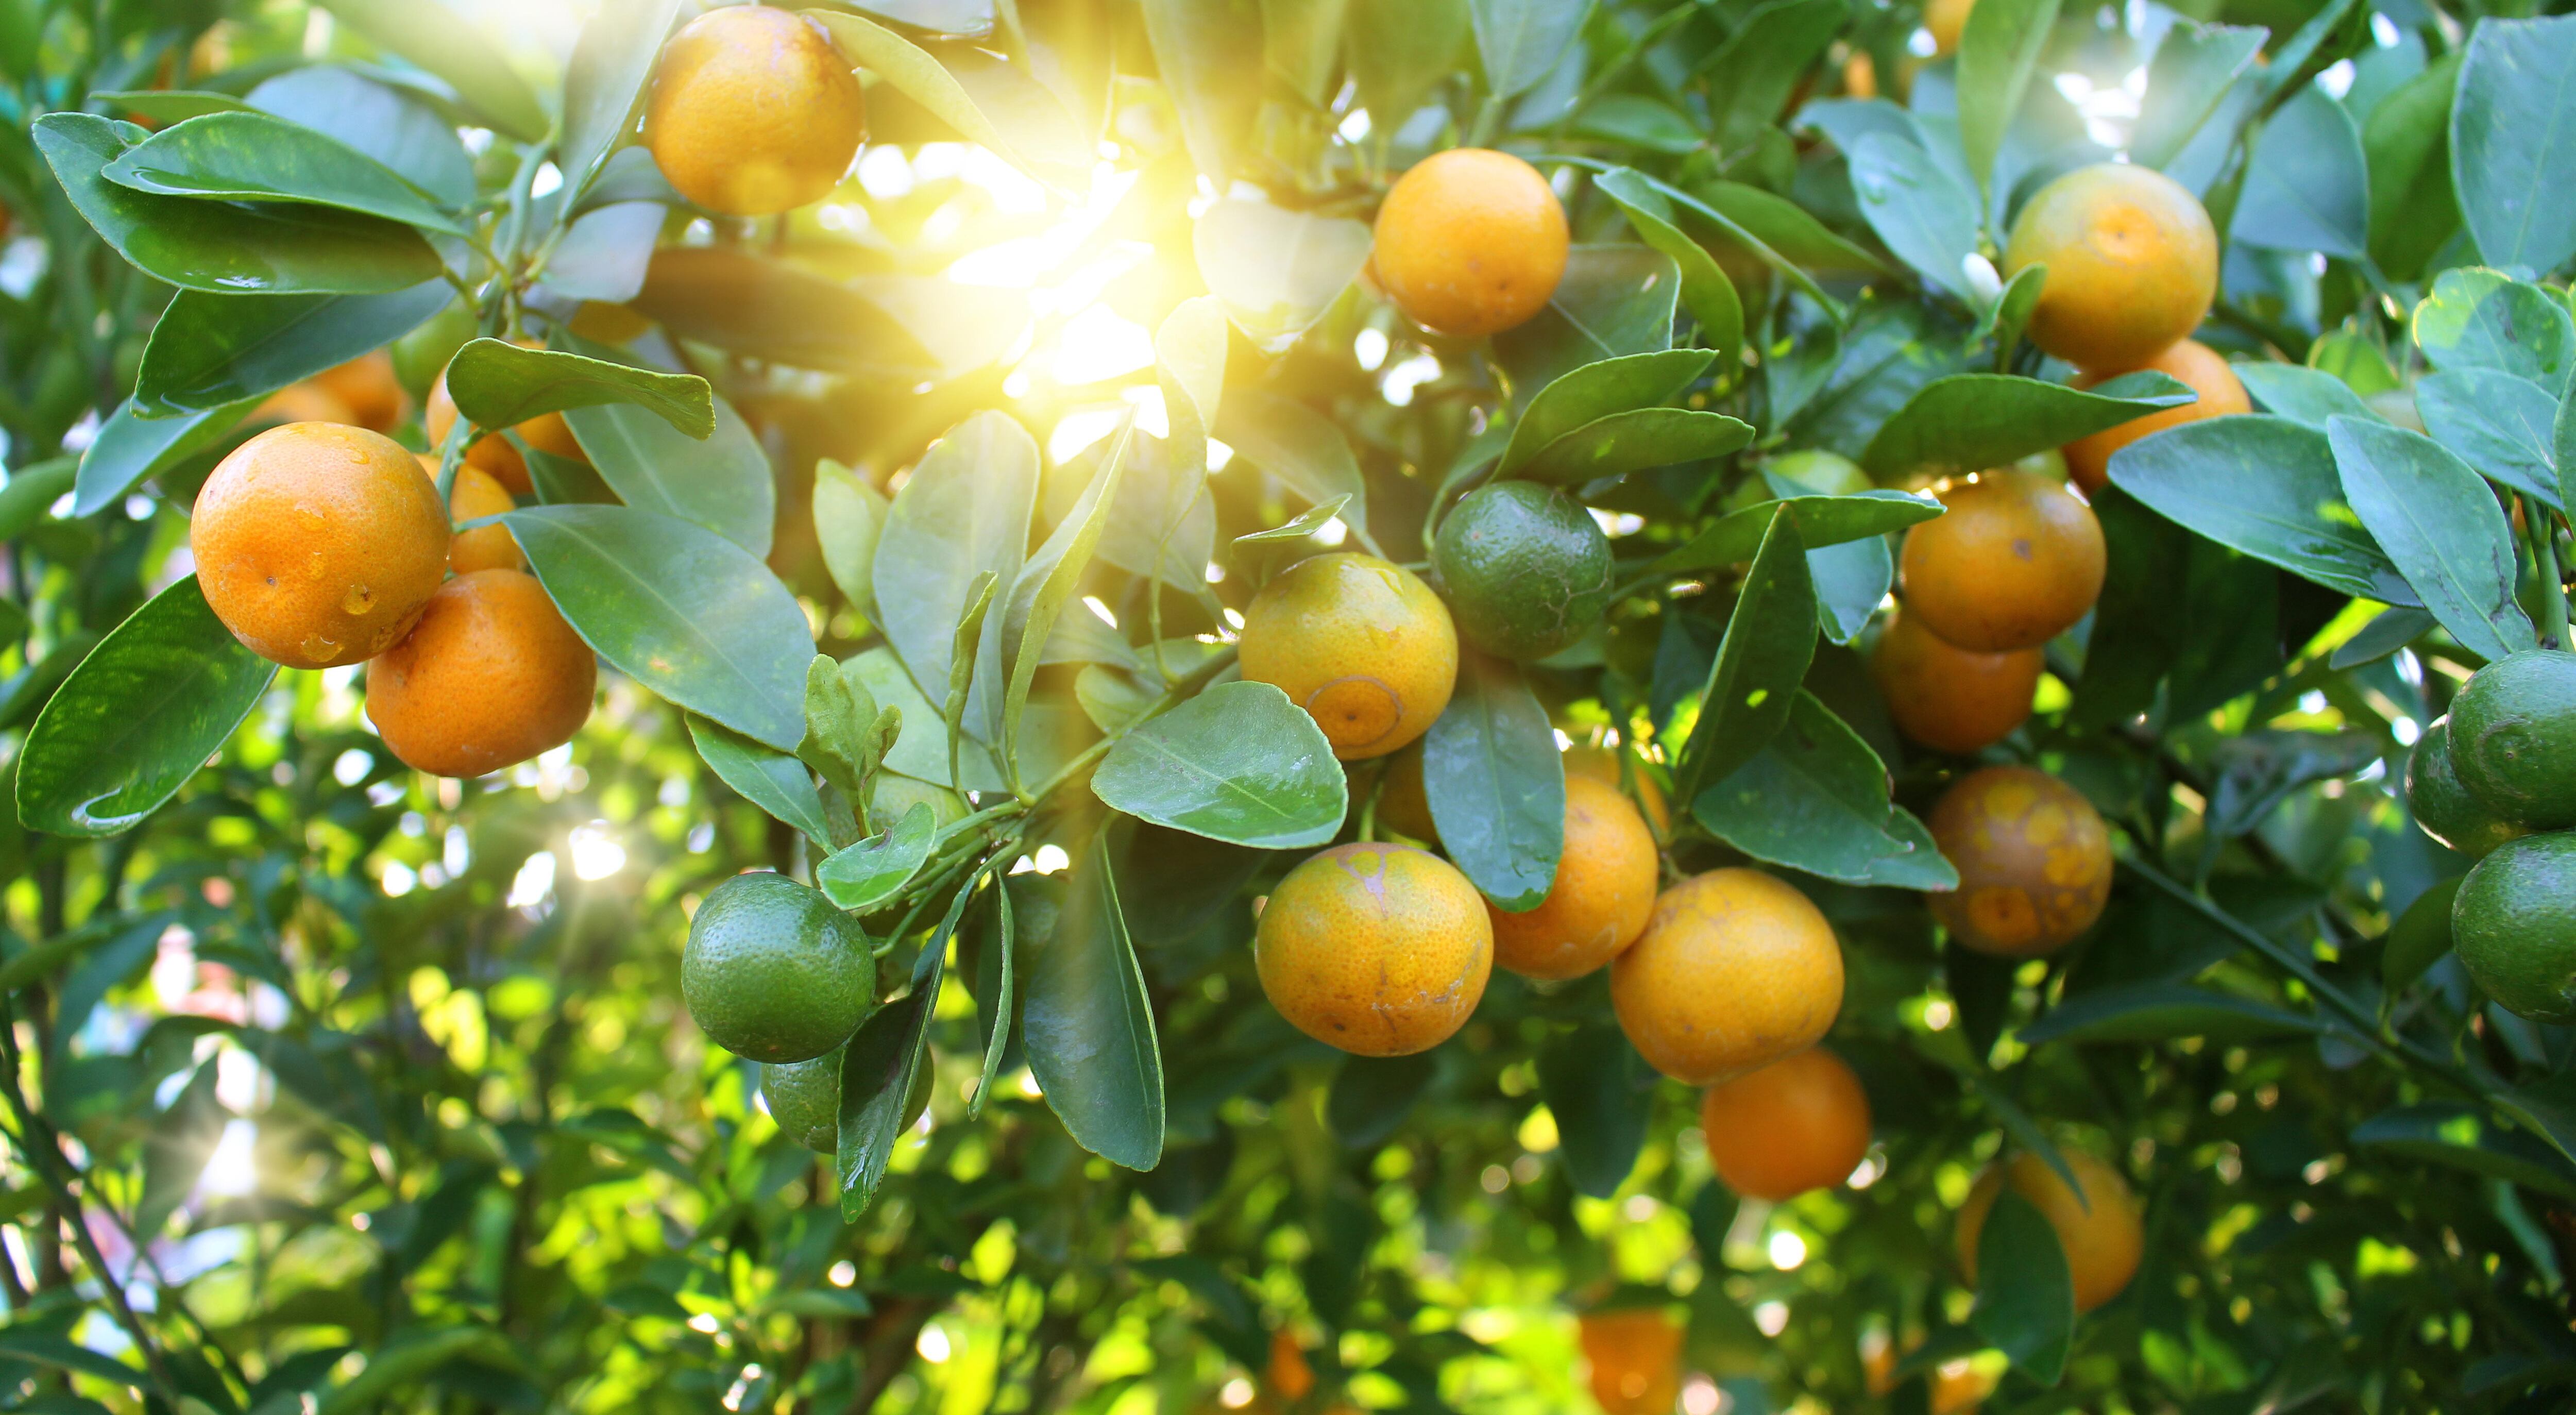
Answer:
(2514, 926)
(773, 972)
(422, 354)
(1527, 569)
(2443, 806)
(1824, 473)
(2513, 738)
(805, 1100)
(890, 795)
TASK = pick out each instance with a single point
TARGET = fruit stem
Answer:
(2553, 586)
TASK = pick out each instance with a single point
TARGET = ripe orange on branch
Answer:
(1360, 643)
(1602, 895)
(1736, 969)
(1470, 242)
(2132, 264)
(2088, 459)
(1798, 1124)
(753, 111)
(2034, 861)
(2014, 562)
(1381, 950)
(1949, 698)
(2100, 1230)
(491, 676)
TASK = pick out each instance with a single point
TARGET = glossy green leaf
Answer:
(1612, 301)
(1639, 121)
(263, 158)
(1751, 78)
(604, 82)
(27, 498)
(1495, 784)
(1752, 684)
(1047, 580)
(2303, 395)
(1772, 229)
(130, 448)
(1296, 444)
(1238, 763)
(498, 384)
(879, 1068)
(394, 128)
(2502, 425)
(849, 515)
(1520, 40)
(606, 254)
(2004, 320)
(721, 481)
(1814, 797)
(2265, 486)
(2407, 140)
(209, 351)
(1277, 270)
(2562, 441)
(1821, 520)
(920, 751)
(1634, 442)
(964, 512)
(768, 778)
(219, 248)
(138, 717)
(868, 873)
(770, 310)
(2511, 127)
(1999, 50)
(2440, 525)
(679, 609)
(2307, 186)
(2025, 1290)
(1399, 53)
(2392, 630)
(1918, 209)
(2458, 1137)
(442, 40)
(1706, 292)
(1088, 1026)
(1602, 1094)
(1599, 390)
(2194, 66)
(2485, 319)
(2155, 1012)
(1972, 421)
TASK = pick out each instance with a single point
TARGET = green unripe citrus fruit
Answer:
(1824, 473)
(805, 1100)
(2514, 925)
(2513, 738)
(1526, 568)
(420, 355)
(773, 972)
(2443, 806)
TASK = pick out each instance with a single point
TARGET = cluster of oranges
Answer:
(321, 542)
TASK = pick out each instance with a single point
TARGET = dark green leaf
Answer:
(2307, 187)
(1751, 78)
(1088, 1026)
(880, 1065)
(1814, 798)
(1239, 763)
(721, 481)
(1822, 521)
(2025, 1290)
(868, 873)
(2392, 630)
(771, 779)
(1706, 292)
(1971, 421)
(47, 1349)
(2267, 487)
(1495, 784)
(2146, 1013)
(209, 351)
(2511, 125)
(2441, 527)
(1635, 442)
(498, 384)
(1613, 300)
(1595, 391)
(162, 107)
(1999, 51)
(1752, 686)
(440, 39)
(130, 448)
(260, 157)
(2458, 1137)
(2499, 424)
(1602, 1094)
(2407, 138)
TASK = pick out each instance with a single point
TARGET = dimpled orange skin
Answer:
(2132, 264)
(1602, 765)
(318, 543)
(2015, 561)
(1798, 1124)
(1601, 897)
(2101, 1232)
(1361, 644)
(2088, 459)
(368, 386)
(1401, 805)
(1946, 697)
(476, 494)
(753, 112)
(2034, 862)
(1735, 970)
(1636, 1359)
(1470, 242)
(1380, 950)
(490, 677)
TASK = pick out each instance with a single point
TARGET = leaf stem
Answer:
(2553, 584)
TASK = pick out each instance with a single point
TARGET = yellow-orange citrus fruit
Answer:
(753, 112)
(607, 323)
(475, 494)
(318, 543)
(368, 386)
(2132, 264)
(306, 402)
(1958, 1387)
(1470, 242)
(1603, 891)
(2088, 459)
(1402, 805)
(1800, 1123)
(1946, 697)
(2101, 1231)
(492, 452)
(1735, 970)
(1360, 643)
(2015, 561)
(2034, 861)
(1947, 19)
(1860, 76)
(491, 676)
(1288, 1376)
(1636, 1359)
(1602, 765)
(1381, 950)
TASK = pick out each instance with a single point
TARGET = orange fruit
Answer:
(753, 112)
(1958, 1387)
(546, 432)
(2015, 562)
(2101, 1232)
(367, 385)
(1735, 970)
(1381, 950)
(1948, 698)
(491, 676)
(318, 543)
(1602, 765)
(2034, 861)
(475, 494)
(1401, 804)
(2088, 459)
(1947, 19)
(1860, 76)
(306, 402)
(1470, 242)
(1603, 892)
(1288, 1377)
(1360, 643)
(2132, 264)
(1636, 1359)
(1800, 1123)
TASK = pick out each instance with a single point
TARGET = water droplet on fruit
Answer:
(317, 647)
(358, 600)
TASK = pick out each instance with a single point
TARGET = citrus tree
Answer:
(1484, 705)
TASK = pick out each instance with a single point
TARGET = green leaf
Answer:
(1520, 40)
(880, 1066)
(2459, 1138)
(1773, 230)
(606, 254)
(2440, 525)
(1852, 580)
(1613, 300)
(1277, 271)
(1371, 1096)
(1999, 51)
(768, 778)
(2025, 1290)
(1602, 1094)
(1821, 520)
(261, 157)
(720, 481)
(965, 512)
(498, 384)
(1814, 798)
(1917, 208)
(1399, 53)
(1204, 51)
(223, 249)
(1706, 292)
(2407, 140)
(130, 448)
(1088, 1026)
(47, 1349)
(2194, 67)
(1038, 594)
(162, 107)
(988, 102)
(394, 128)
(1599, 390)
(963, 666)
(849, 516)
(2512, 124)
(1635, 442)
(830, 1303)
(1251, 551)
(1752, 685)
(138, 717)
(405, 1360)
(997, 972)
(442, 40)
(2305, 396)
(2307, 185)
(604, 83)
(1639, 121)
(2486, 319)
(209, 351)
(770, 310)
(1496, 785)
(2147, 1013)
(2004, 320)
(1751, 78)
(1971, 421)
(1238, 763)
(921, 750)
(2502, 425)
(2267, 487)
(869, 873)
(679, 609)
(2562, 441)
(1299, 446)
(2392, 630)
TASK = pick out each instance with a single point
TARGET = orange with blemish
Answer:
(2034, 862)
(1735, 970)
(1602, 895)
(2015, 561)
(1949, 698)
(2088, 459)
(1380, 950)
(1360, 643)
